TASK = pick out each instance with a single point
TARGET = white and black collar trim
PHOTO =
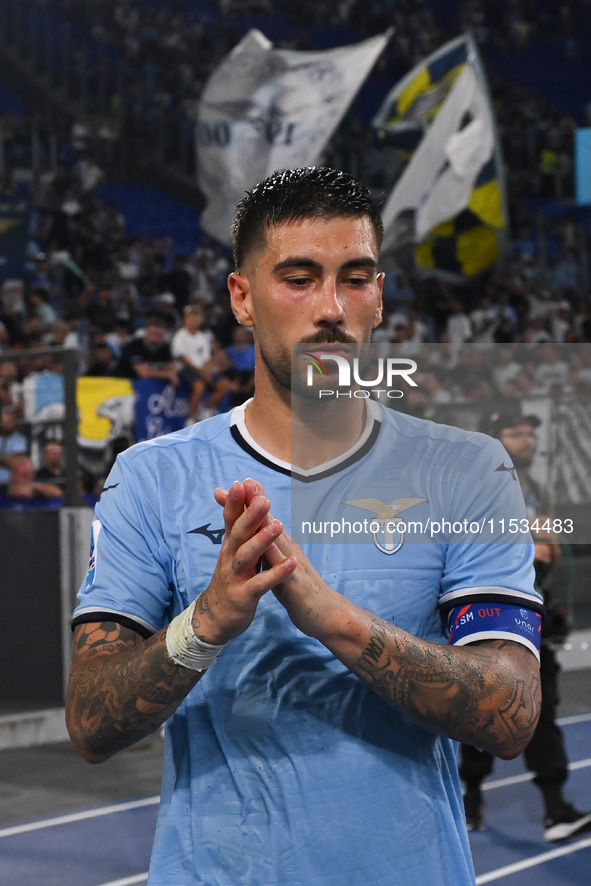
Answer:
(246, 441)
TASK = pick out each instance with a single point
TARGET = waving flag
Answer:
(265, 109)
(416, 99)
(448, 203)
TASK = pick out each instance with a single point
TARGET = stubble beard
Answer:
(522, 462)
(279, 363)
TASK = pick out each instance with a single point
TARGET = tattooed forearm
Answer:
(372, 658)
(487, 694)
(121, 688)
(202, 609)
(519, 713)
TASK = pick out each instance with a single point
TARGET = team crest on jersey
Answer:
(388, 539)
(389, 536)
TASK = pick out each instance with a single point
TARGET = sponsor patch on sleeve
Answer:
(479, 621)
(94, 534)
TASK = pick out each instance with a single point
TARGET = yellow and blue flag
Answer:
(449, 202)
(417, 98)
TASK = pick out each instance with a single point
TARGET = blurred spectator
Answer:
(11, 389)
(24, 491)
(179, 281)
(4, 337)
(148, 355)
(13, 310)
(127, 264)
(237, 379)
(507, 319)
(43, 312)
(192, 349)
(458, 328)
(536, 331)
(229, 375)
(241, 352)
(119, 336)
(12, 444)
(102, 360)
(506, 367)
(110, 222)
(52, 464)
(553, 369)
(484, 320)
(165, 304)
(101, 313)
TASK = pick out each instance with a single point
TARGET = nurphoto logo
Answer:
(386, 371)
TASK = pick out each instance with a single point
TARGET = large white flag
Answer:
(265, 109)
(438, 181)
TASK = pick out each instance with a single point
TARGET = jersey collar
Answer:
(246, 441)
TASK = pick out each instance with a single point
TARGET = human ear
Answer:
(377, 319)
(240, 299)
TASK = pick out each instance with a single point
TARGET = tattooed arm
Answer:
(486, 694)
(123, 687)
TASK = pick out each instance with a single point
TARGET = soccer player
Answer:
(310, 694)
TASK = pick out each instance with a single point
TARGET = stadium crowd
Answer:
(89, 285)
(164, 52)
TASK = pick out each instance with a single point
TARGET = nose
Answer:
(330, 310)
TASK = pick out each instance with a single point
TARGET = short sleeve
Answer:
(487, 587)
(129, 574)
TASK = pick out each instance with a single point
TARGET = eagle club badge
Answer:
(388, 537)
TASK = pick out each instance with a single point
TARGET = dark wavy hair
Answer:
(291, 195)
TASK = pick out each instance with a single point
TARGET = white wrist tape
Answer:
(187, 649)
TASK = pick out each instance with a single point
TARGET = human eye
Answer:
(359, 279)
(298, 281)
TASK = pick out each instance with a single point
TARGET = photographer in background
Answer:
(545, 755)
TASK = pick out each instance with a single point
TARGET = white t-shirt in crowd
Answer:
(196, 347)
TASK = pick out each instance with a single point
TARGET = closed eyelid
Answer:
(298, 279)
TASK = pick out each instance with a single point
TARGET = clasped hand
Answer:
(257, 556)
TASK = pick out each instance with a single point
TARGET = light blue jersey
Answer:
(282, 767)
